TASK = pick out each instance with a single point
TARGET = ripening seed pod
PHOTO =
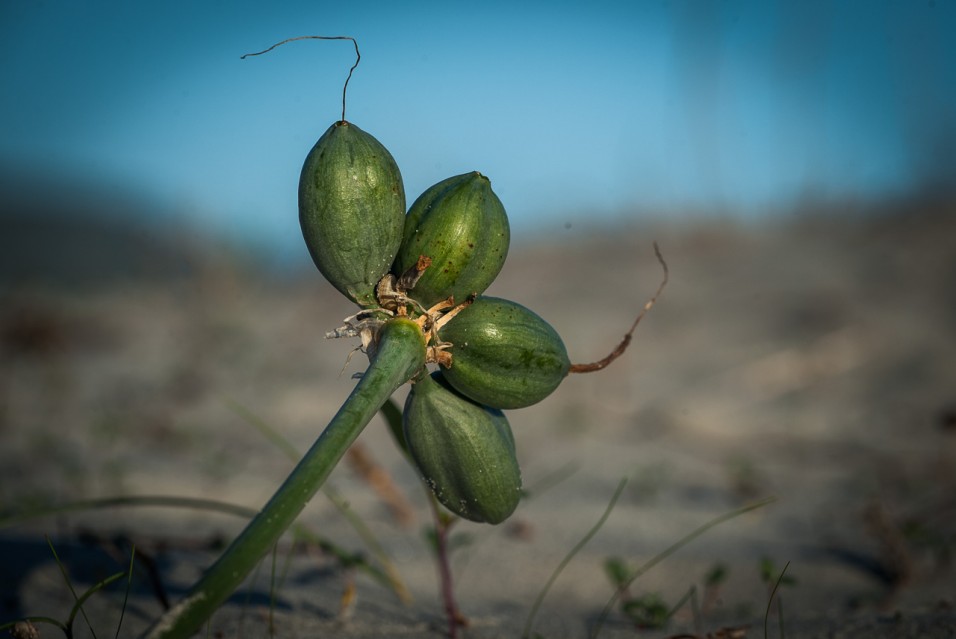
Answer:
(503, 355)
(352, 210)
(462, 226)
(464, 451)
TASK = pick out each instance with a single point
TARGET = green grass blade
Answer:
(773, 592)
(69, 584)
(378, 551)
(163, 501)
(95, 588)
(266, 430)
(129, 585)
(549, 481)
(209, 505)
(690, 595)
(526, 633)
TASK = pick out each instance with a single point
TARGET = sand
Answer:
(810, 360)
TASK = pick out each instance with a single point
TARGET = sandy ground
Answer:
(810, 360)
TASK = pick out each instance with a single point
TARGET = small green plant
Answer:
(649, 610)
(713, 581)
(774, 579)
(412, 276)
(623, 577)
(26, 627)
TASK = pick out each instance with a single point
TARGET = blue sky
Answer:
(578, 112)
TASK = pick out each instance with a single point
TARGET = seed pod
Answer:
(464, 451)
(352, 210)
(504, 355)
(462, 226)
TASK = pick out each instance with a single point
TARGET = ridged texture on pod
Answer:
(503, 354)
(464, 451)
(462, 226)
(352, 210)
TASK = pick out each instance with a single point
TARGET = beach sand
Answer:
(810, 359)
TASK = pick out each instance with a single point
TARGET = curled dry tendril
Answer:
(626, 341)
(358, 57)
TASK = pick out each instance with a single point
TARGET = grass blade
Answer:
(164, 501)
(265, 429)
(129, 585)
(773, 592)
(210, 505)
(392, 578)
(95, 588)
(574, 551)
(69, 584)
(378, 551)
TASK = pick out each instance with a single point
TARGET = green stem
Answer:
(399, 356)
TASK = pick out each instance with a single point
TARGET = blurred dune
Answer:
(58, 231)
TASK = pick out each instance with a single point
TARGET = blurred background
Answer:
(581, 113)
(796, 162)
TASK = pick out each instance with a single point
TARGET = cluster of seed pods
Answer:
(432, 265)
(418, 278)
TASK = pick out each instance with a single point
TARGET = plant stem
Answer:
(564, 562)
(443, 524)
(399, 356)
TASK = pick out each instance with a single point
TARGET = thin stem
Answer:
(78, 605)
(129, 585)
(390, 576)
(399, 356)
(567, 559)
(358, 57)
(779, 604)
(92, 590)
(171, 501)
(378, 551)
(443, 524)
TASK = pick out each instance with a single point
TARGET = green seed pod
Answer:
(462, 226)
(504, 355)
(464, 451)
(352, 210)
